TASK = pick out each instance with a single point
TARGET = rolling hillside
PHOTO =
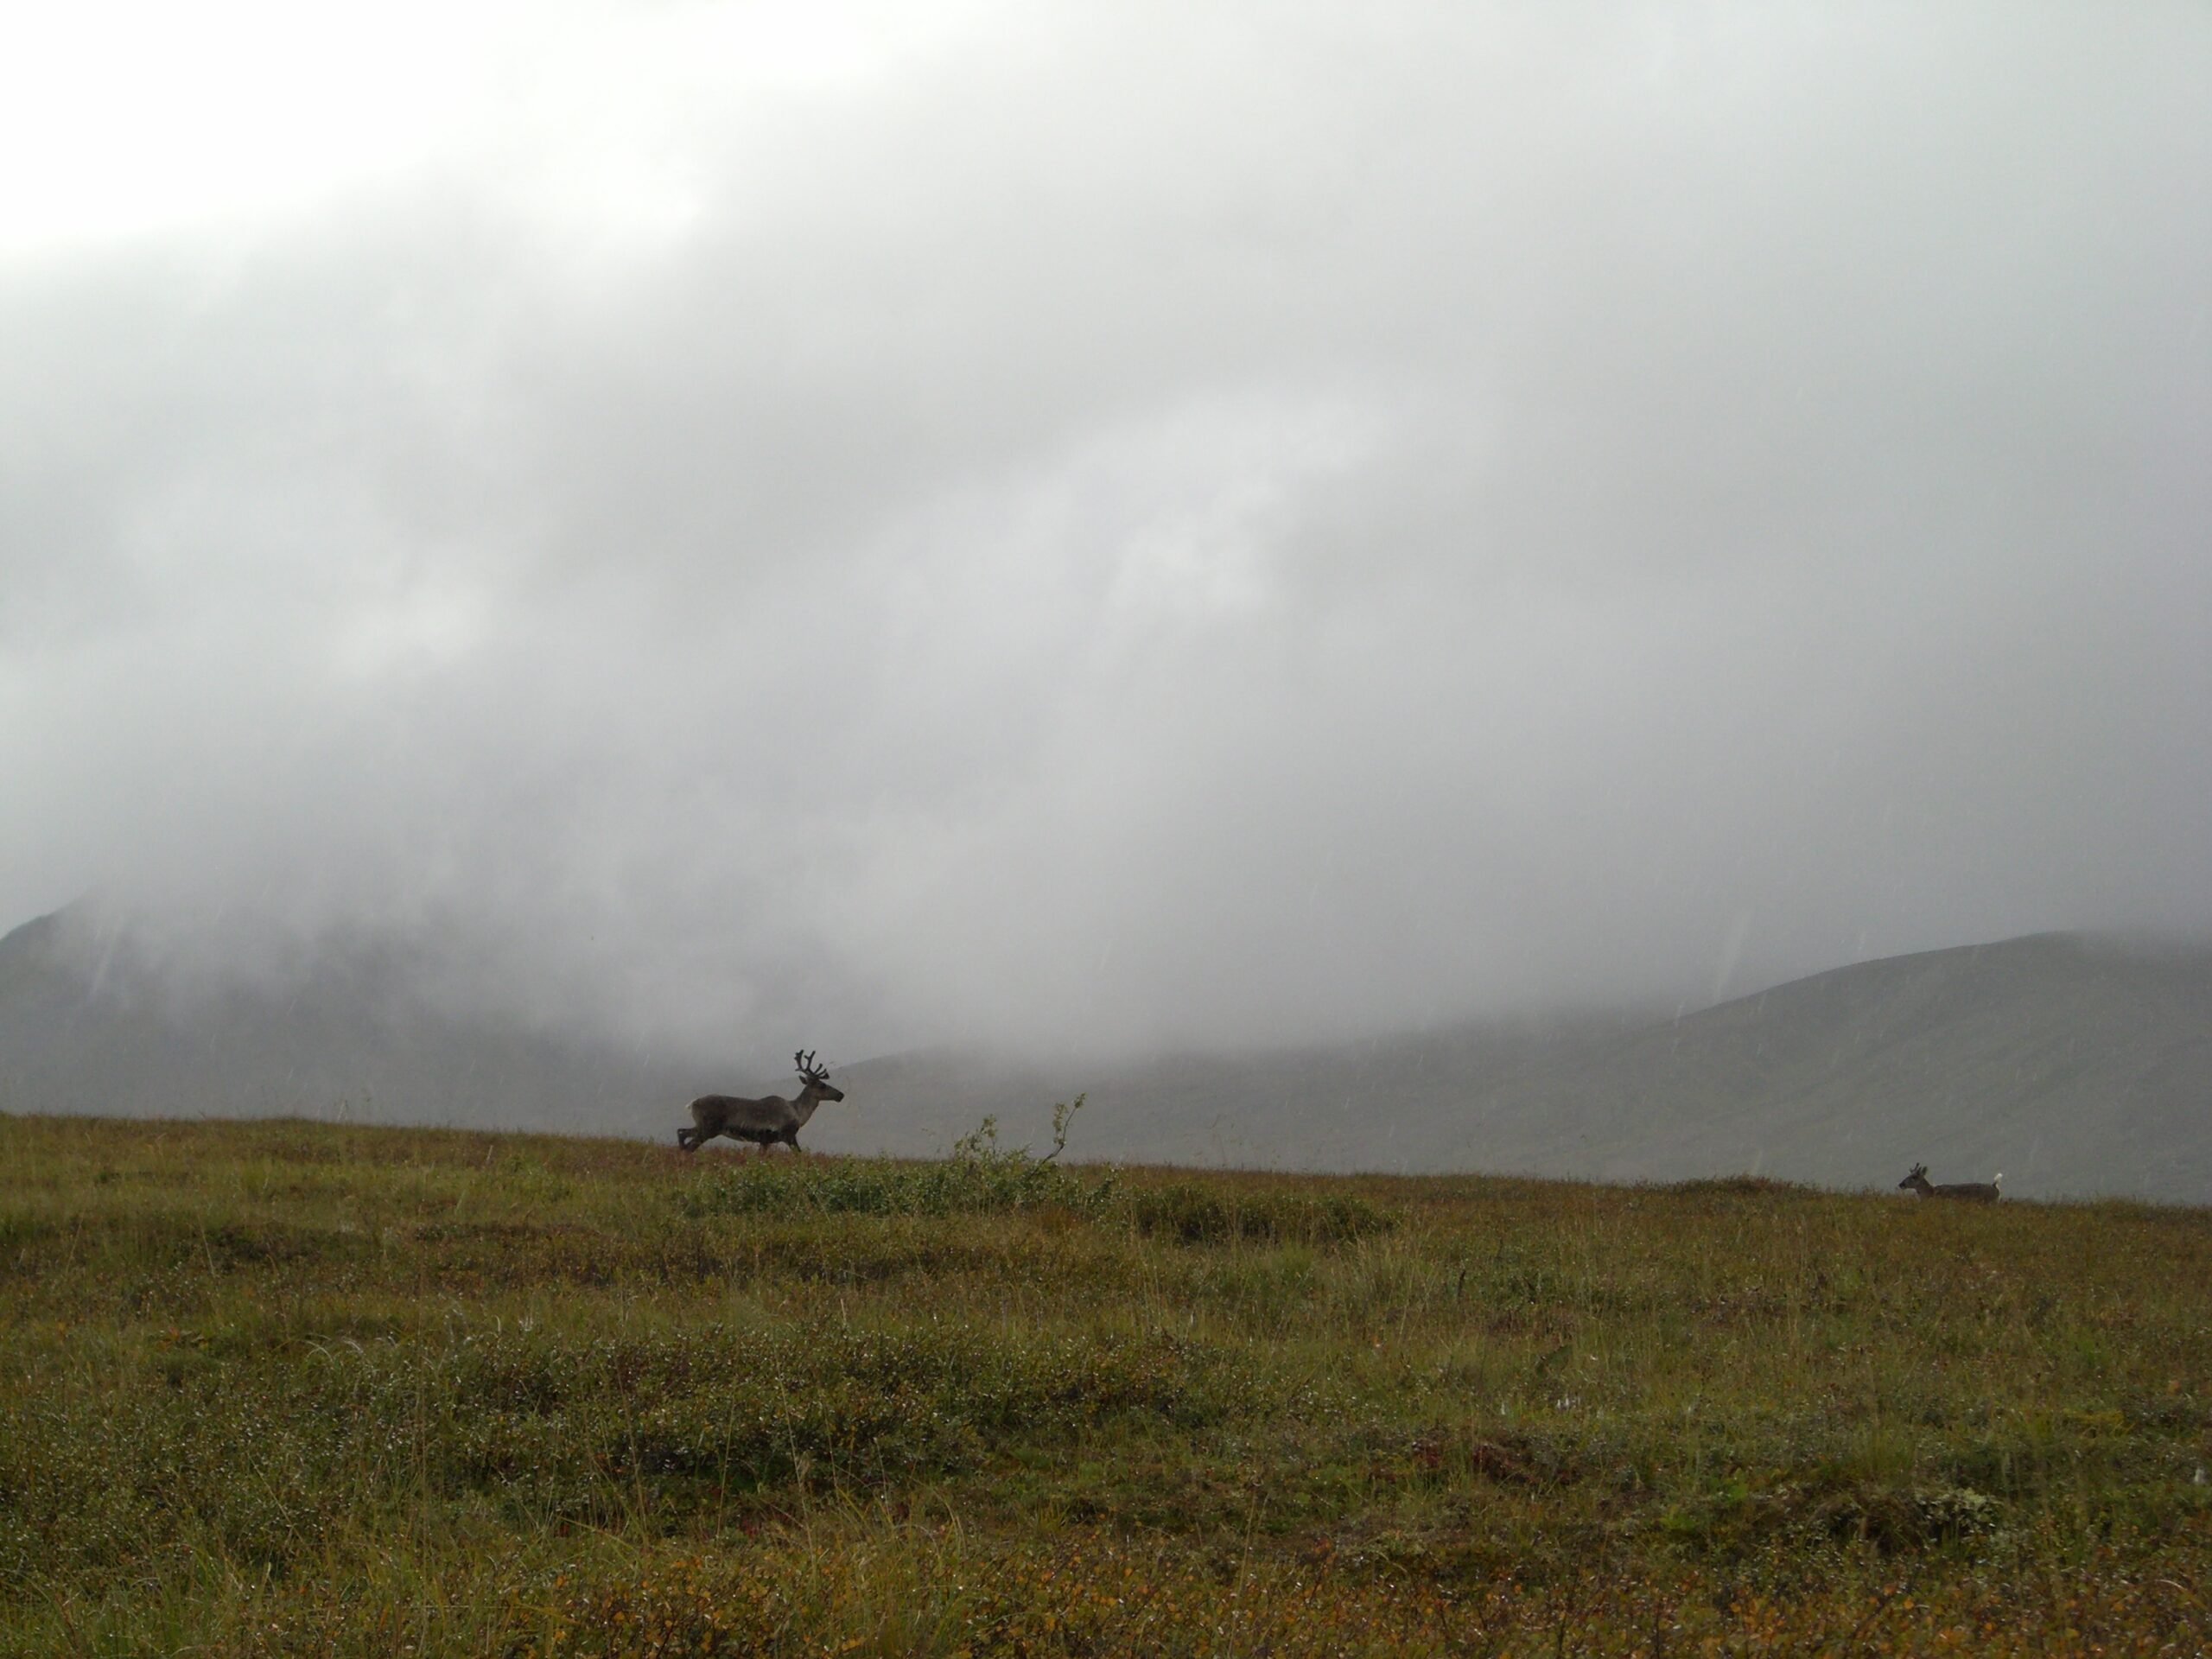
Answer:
(2074, 1066)
(2070, 1066)
(279, 1389)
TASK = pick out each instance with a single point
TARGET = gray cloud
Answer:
(1109, 530)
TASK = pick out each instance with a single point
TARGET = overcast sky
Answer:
(1112, 524)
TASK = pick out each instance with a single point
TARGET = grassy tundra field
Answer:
(286, 1388)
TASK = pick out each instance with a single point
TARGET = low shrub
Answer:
(981, 1178)
(1198, 1214)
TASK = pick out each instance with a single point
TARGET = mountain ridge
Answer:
(2076, 1065)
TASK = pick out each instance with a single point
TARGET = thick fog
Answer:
(1109, 525)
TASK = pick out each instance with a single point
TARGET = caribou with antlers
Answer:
(1971, 1192)
(763, 1122)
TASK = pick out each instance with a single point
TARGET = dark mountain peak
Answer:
(39, 936)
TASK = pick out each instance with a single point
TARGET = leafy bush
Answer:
(981, 1178)
(1915, 1518)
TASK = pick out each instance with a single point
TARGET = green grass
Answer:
(283, 1387)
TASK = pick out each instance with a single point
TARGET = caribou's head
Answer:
(818, 1086)
(1919, 1174)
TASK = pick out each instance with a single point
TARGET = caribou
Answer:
(763, 1122)
(1971, 1192)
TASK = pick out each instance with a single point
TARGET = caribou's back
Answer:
(1966, 1192)
(771, 1117)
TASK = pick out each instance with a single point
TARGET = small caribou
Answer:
(1971, 1192)
(763, 1122)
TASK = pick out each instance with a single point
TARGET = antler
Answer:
(804, 1060)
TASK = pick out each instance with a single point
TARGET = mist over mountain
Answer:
(97, 1016)
(2072, 1065)
(1120, 529)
